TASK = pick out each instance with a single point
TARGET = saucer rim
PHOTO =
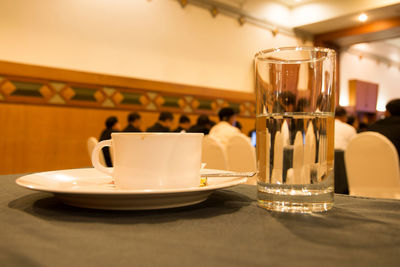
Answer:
(26, 182)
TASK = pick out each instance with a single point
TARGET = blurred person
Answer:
(212, 123)
(288, 100)
(285, 103)
(390, 125)
(353, 121)
(184, 124)
(112, 126)
(134, 122)
(224, 129)
(362, 127)
(302, 105)
(238, 125)
(203, 125)
(163, 124)
(323, 103)
(253, 137)
(251, 132)
(343, 131)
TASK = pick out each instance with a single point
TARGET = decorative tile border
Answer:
(16, 89)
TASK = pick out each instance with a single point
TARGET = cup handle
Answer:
(95, 157)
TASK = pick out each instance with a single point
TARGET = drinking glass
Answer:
(295, 88)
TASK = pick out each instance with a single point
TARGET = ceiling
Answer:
(350, 20)
(375, 46)
(313, 17)
(288, 3)
(385, 51)
(294, 3)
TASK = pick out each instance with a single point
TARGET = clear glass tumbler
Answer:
(295, 88)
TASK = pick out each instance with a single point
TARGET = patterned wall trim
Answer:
(48, 92)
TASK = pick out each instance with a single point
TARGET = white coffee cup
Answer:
(153, 160)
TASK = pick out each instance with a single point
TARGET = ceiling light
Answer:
(363, 17)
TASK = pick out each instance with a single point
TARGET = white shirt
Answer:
(343, 134)
(223, 131)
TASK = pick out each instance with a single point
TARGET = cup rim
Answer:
(261, 54)
(156, 133)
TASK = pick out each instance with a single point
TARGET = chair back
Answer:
(241, 154)
(213, 154)
(372, 166)
(91, 143)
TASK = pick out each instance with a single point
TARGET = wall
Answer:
(152, 41)
(42, 138)
(365, 69)
(155, 40)
(47, 114)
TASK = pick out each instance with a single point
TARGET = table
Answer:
(226, 230)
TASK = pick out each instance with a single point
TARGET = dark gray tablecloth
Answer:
(226, 230)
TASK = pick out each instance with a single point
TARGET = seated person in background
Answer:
(390, 125)
(225, 129)
(302, 105)
(134, 122)
(184, 124)
(253, 137)
(286, 102)
(353, 121)
(203, 125)
(343, 131)
(362, 127)
(238, 125)
(112, 126)
(212, 123)
(163, 124)
(251, 132)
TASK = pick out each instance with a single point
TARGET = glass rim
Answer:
(261, 54)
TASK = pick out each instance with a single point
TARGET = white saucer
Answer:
(89, 188)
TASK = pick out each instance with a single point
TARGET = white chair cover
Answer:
(213, 154)
(241, 155)
(372, 166)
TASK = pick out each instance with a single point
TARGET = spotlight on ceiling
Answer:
(363, 17)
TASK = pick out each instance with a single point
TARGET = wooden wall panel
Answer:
(47, 114)
(41, 138)
(363, 95)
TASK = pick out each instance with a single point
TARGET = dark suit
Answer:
(178, 130)
(199, 129)
(131, 129)
(157, 127)
(106, 135)
(389, 127)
